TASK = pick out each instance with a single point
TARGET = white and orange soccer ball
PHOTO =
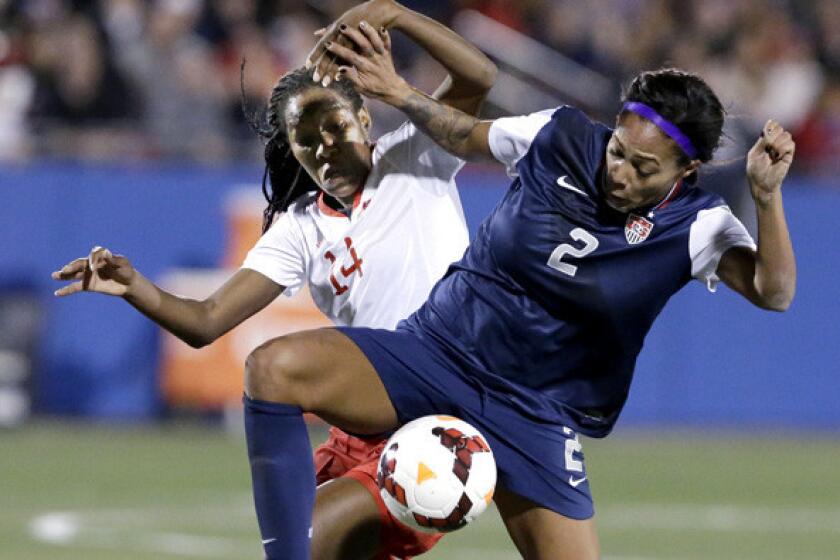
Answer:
(436, 474)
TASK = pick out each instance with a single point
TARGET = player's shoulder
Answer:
(396, 144)
(698, 199)
(303, 205)
(574, 140)
(564, 118)
(299, 210)
(571, 115)
(571, 120)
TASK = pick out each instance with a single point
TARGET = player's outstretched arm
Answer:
(374, 75)
(471, 73)
(766, 277)
(197, 323)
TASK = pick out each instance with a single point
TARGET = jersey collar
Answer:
(326, 210)
(670, 197)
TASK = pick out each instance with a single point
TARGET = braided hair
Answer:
(284, 179)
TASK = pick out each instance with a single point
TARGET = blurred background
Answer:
(121, 125)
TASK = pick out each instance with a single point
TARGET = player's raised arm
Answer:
(197, 323)
(766, 277)
(371, 68)
(470, 73)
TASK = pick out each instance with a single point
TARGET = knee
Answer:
(272, 373)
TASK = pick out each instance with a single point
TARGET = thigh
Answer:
(324, 372)
(346, 522)
(542, 534)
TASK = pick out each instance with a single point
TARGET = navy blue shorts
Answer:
(540, 460)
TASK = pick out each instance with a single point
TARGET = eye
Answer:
(643, 175)
(615, 152)
(305, 143)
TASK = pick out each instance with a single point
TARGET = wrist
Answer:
(399, 94)
(765, 199)
(134, 286)
(393, 13)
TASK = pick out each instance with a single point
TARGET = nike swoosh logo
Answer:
(563, 182)
(575, 482)
(268, 541)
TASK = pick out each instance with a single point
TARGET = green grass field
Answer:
(90, 493)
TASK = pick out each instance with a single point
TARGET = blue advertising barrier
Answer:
(711, 359)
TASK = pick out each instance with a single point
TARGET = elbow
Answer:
(201, 338)
(478, 82)
(198, 341)
(487, 76)
(779, 305)
(779, 301)
(775, 293)
(205, 330)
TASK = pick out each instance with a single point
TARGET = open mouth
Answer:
(332, 175)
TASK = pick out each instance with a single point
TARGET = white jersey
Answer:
(378, 265)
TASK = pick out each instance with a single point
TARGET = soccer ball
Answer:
(436, 474)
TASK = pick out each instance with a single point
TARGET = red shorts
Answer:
(345, 455)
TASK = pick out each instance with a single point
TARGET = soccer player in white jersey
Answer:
(533, 335)
(368, 227)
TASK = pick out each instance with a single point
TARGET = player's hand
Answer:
(769, 160)
(100, 272)
(368, 65)
(377, 13)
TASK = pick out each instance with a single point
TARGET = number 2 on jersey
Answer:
(590, 243)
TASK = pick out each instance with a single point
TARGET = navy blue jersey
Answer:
(552, 300)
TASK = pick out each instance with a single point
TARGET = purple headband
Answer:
(664, 125)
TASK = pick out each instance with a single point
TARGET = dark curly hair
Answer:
(284, 179)
(685, 100)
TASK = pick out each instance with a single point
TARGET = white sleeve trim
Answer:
(279, 254)
(713, 233)
(511, 137)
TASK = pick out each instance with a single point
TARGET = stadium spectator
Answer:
(161, 54)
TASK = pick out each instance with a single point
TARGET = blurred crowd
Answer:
(150, 79)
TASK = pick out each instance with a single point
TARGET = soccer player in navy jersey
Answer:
(533, 335)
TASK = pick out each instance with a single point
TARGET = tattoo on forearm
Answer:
(447, 126)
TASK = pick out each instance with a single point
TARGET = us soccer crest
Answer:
(637, 229)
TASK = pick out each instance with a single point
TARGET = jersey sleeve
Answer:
(511, 137)
(408, 150)
(280, 254)
(715, 231)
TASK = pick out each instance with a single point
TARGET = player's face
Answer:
(330, 141)
(642, 164)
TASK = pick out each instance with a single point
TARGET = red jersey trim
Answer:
(327, 211)
(672, 194)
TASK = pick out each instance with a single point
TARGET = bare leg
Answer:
(324, 372)
(346, 524)
(319, 371)
(541, 534)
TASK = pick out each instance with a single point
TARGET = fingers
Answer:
(70, 289)
(99, 257)
(373, 37)
(327, 65)
(350, 45)
(348, 73)
(386, 39)
(318, 62)
(776, 142)
(73, 270)
(360, 40)
(320, 32)
(347, 55)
